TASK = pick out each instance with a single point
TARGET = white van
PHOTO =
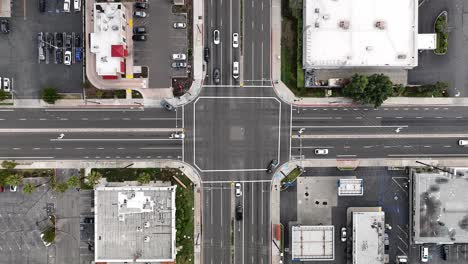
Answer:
(235, 69)
(462, 142)
(424, 254)
(77, 5)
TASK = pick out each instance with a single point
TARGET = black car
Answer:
(5, 26)
(42, 6)
(207, 54)
(68, 41)
(139, 30)
(216, 76)
(59, 40)
(77, 41)
(59, 56)
(139, 37)
(167, 105)
(140, 5)
(239, 212)
(273, 164)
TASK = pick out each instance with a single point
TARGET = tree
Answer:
(94, 177)
(374, 89)
(62, 187)
(14, 180)
(9, 164)
(49, 235)
(3, 95)
(73, 181)
(50, 95)
(144, 178)
(29, 188)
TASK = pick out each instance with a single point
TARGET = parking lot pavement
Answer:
(19, 49)
(451, 67)
(22, 219)
(86, 229)
(457, 253)
(163, 41)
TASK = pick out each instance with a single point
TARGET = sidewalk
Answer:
(83, 103)
(184, 167)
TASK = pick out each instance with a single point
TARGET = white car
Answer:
(216, 37)
(179, 56)
(177, 136)
(45, 243)
(13, 188)
(67, 58)
(463, 142)
(321, 151)
(6, 84)
(66, 6)
(180, 25)
(77, 5)
(238, 189)
(235, 70)
(235, 40)
(424, 254)
(343, 234)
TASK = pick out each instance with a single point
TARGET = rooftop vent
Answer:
(380, 25)
(317, 24)
(401, 56)
(326, 17)
(317, 10)
(147, 224)
(344, 24)
(146, 239)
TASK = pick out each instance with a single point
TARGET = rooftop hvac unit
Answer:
(344, 24)
(115, 27)
(317, 24)
(401, 56)
(146, 239)
(369, 48)
(380, 25)
(317, 10)
(147, 224)
(326, 17)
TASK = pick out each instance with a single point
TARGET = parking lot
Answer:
(19, 53)
(163, 40)
(382, 187)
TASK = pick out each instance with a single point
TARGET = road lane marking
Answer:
(396, 126)
(244, 181)
(342, 156)
(132, 109)
(427, 155)
(448, 136)
(113, 139)
(26, 157)
(88, 130)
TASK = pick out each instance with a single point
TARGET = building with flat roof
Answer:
(368, 237)
(313, 243)
(135, 224)
(108, 40)
(439, 207)
(360, 33)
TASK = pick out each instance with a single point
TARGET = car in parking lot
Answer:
(141, 5)
(139, 30)
(179, 65)
(77, 5)
(59, 56)
(66, 5)
(67, 58)
(238, 189)
(273, 164)
(5, 26)
(180, 25)
(343, 234)
(140, 14)
(59, 40)
(68, 41)
(216, 37)
(321, 151)
(239, 211)
(235, 40)
(206, 54)
(6, 84)
(42, 6)
(139, 37)
(235, 69)
(78, 56)
(216, 76)
(13, 188)
(179, 56)
(424, 254)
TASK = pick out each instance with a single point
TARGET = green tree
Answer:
(3, 95)
(144, 178)
(14, 179)
(94, 178)
(29, 188)
(50, 95)
(9, 164)
(62, 187)
(374, 89)
(49, 235)
(73, 181)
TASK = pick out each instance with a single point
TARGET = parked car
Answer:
(216, 37)
(77, 41)
(77, 5)
(140, 14)
(321, 151)
(424, 254)
(68, 41)
(42, 6)
(273, 164)
(59, 56)
(206, 54)
(235, 69)
(343, 234)
(6, 84)
(235, 40)
(141, 5)
(239, 212)
(180, 25)
(179, 65)
(5, 26)
(139, 30)
(179, 56)
(1, 189)
(78, 54)
(463, 142)
(67, 58)
(59, 40)
(66, 5)
(238, 189)
(216, 76)
(88, 220)
(139, 37)
(13, 188)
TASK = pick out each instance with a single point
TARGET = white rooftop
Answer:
(360, 33)
(313, 243)
(368, 237)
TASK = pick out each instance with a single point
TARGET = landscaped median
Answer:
(291, 178)
(441, 30)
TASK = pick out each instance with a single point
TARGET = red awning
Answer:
(118, 51)
(122, 66)
(109, 77)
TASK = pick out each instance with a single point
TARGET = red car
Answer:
(1, 188)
